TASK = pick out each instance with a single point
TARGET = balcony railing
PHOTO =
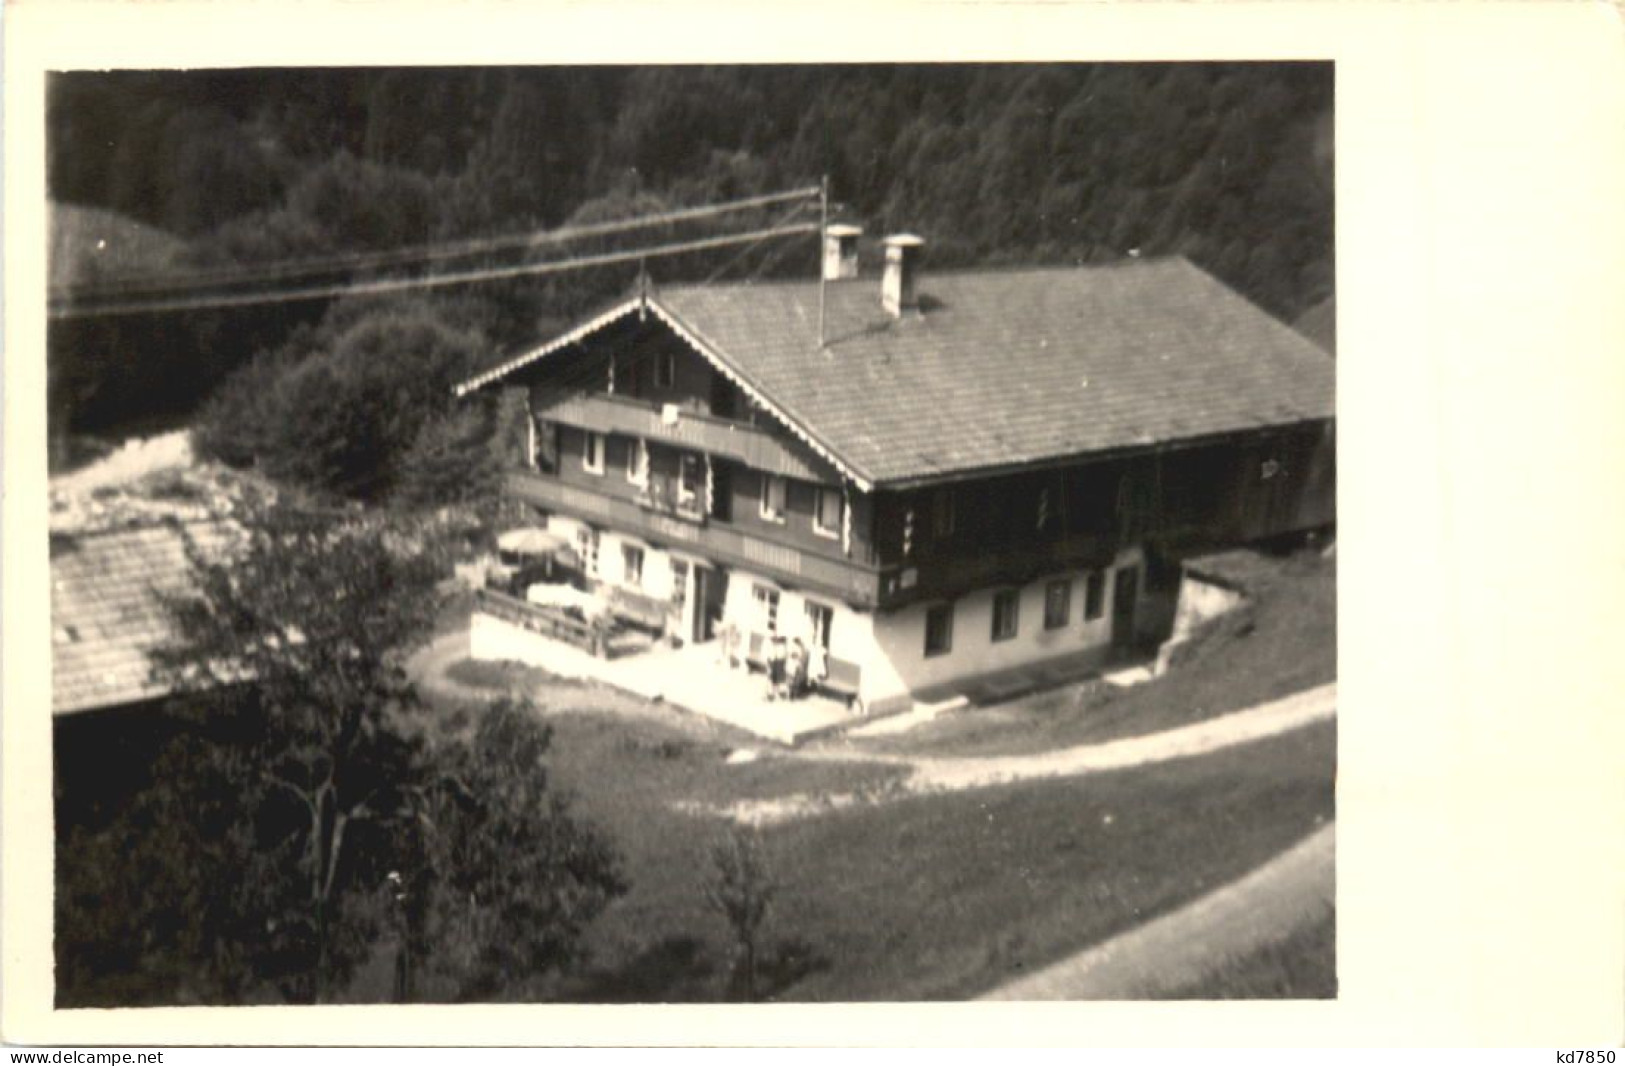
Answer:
(551, 622)
(947, 575)
(667, 496)
(754, 447)
(846, 579)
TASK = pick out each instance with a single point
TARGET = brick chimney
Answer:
(841, 251)
(897, 286)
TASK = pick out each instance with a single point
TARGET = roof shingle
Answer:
(1009, 367)
(999, 369)
(106, 613)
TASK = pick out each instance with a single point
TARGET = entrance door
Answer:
(1125, 591)
(710, 592)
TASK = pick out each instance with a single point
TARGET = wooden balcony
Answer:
(948, 574)
(665, 495)
(847, 580)
(754, 447)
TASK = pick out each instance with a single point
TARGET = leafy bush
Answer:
(347, 409)
(453, 459)
(257, 861)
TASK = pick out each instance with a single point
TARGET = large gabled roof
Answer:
(1003, 368)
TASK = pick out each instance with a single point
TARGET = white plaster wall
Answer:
(739, 606)
(851, 633)
(657, 578)
(1199, 601)
(897, 663)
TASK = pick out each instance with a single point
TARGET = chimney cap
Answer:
(843, 229)
(903, 240)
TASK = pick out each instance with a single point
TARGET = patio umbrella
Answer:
(531, 541)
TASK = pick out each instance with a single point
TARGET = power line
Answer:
(581, 375)
(748, 249)
(423, 252)
(65, 310)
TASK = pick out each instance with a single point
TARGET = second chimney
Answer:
(841, 251)
(897, 286)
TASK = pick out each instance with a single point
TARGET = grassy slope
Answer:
(1303, 965)
(1285, 643)
(947, 895)
(931, 897)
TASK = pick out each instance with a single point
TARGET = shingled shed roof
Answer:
(1002, 368)
(105, 609)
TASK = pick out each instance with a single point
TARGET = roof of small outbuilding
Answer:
(106, 613)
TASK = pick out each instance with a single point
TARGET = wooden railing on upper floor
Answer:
(740, 441)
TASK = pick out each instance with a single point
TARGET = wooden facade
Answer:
(736, 513)
(888, 547)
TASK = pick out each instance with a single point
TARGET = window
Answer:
(637, 462)
(939, 629)
(722, 490)
(767, 608)
(942, 513)
(587, 547)
(631, 566)
(819, 620)
(827, 513)
(592, 459)
(690, 481)
(772, 498)
(1006, 606)
(1057, 604)
(665, 370)
(1094, 596)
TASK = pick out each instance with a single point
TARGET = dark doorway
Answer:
(1125, 594)
(722, 491)
(710, 593)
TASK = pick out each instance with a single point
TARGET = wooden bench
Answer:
(842, 681)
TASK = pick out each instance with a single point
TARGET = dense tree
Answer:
(338, 408)
(500, 880)
(256, 863)
(741, 890)
(293, 643)
(1228, 164)
(455, 459)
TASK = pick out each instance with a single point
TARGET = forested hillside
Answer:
(1228, 164)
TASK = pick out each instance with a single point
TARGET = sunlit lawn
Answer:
(935, 896)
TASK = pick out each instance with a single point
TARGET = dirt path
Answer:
(945, 774)
(428, 665)
(937, 774)
(1173, 951)
(1199, 738)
